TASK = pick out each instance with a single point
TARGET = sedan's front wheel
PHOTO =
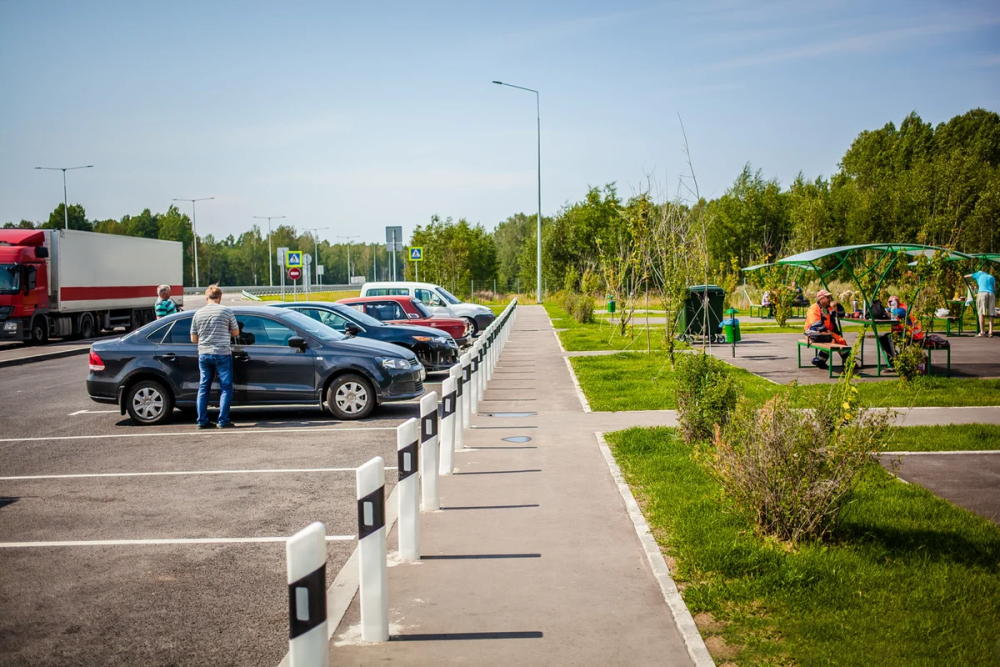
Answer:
(149, 403)
(350, 397)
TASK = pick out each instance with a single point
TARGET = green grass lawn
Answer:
(601, 335)
(953, 438)
(313, 296)
(650, 386)
(909, 580)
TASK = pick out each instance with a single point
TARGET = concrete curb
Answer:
(576, 383)
(682, 615)
(341, 592)
(45, 356)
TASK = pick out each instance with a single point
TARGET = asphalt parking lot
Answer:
(74, 471)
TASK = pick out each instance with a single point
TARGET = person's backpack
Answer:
(817, 333)
(877, 310)
(935, 342)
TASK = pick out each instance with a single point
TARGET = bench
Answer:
(828, 347)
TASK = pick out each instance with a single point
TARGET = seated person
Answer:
(765, 302)
(799, 298)
(822, 318)
(906, 325)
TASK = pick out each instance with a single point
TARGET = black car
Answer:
(280, 358)
(436, 349)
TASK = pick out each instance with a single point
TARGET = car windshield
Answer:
(422, 309)
(10, 278)
(448, 295)
(356, 315)
(312, 327)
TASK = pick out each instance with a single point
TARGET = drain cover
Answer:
(517, 438)
(508, 414)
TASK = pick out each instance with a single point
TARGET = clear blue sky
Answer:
(358, 115)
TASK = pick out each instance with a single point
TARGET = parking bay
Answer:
(94, 476)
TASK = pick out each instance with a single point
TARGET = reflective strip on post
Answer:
(305, 554)
(456, 374)
(408, 489)
(466, 389)
(373, 589)
(430, 500)
(448, 409)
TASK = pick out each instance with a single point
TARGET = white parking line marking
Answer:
(233, 431)
(191, 540)
(180, 473)
(90, 412)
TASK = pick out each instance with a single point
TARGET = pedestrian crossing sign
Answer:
(416, 254)
(293, 259)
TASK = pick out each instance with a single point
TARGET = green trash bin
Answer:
(611, 304)
(732, 332)
(701, 298)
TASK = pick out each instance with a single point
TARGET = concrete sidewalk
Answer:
(533, 558)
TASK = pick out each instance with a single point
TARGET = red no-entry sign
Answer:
(294, 274)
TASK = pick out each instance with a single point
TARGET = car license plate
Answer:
(10, 326)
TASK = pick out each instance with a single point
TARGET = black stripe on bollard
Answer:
(448, 404)
(467, 372)
(371, 512)
(406, 461)
(458, 386)
(307, 603)
(428, 426)
(475, 364)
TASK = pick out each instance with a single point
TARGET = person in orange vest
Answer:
(821, 318)
(905, 325)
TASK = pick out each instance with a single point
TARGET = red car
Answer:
(408, 310)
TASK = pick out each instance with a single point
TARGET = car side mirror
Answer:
(352, 329)
(298, 342)
(413, 316)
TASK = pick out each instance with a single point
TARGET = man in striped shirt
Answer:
(164, 305)
(211, 328)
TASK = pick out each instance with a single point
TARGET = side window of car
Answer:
(397, 311)
(332, 320)
(398, 291)
(157, 336)
(256, 330)
(428, 297)
(180, 333)
(381, 291)
(378, 311)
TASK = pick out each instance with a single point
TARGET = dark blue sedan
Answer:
(280, 358)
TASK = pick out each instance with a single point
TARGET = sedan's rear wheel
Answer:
(350, 397)
(149, 403)
(473, 327)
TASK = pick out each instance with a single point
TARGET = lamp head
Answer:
(499, 83)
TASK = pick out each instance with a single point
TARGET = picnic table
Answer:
(880, 353)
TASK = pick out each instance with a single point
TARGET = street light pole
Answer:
(270, 252)
(315, 261)
(348, 255)
(65, 199)
(538, 118)
(194, 229)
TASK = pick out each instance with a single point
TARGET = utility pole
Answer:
(270, 251)
(65, 199)
(349, 255)
(194, 229)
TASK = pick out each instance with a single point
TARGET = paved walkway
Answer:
(533, 559)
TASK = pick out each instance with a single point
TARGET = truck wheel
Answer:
(350, 397)
(86, 326)
(149, 403)
(38, 331)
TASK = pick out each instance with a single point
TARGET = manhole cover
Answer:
(517, 438)
(508, 414)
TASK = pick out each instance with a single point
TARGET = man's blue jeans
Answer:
(211, 366)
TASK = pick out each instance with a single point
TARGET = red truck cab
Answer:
(24, 286)
(409, 310)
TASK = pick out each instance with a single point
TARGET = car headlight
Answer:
(424, 339)
(484, 310)
(394, 362)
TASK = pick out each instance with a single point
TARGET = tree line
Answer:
(914, 183)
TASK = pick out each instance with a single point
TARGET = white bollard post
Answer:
(408, 494)
(474, 408)
(456, 374)
(374, 578)
(430, 500)
(447, 438)
(467, 390)
(305, 554)
(481, 389)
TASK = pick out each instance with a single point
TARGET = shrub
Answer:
(791, 472)
(706, 395)
(909, 362)
(579, 307)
